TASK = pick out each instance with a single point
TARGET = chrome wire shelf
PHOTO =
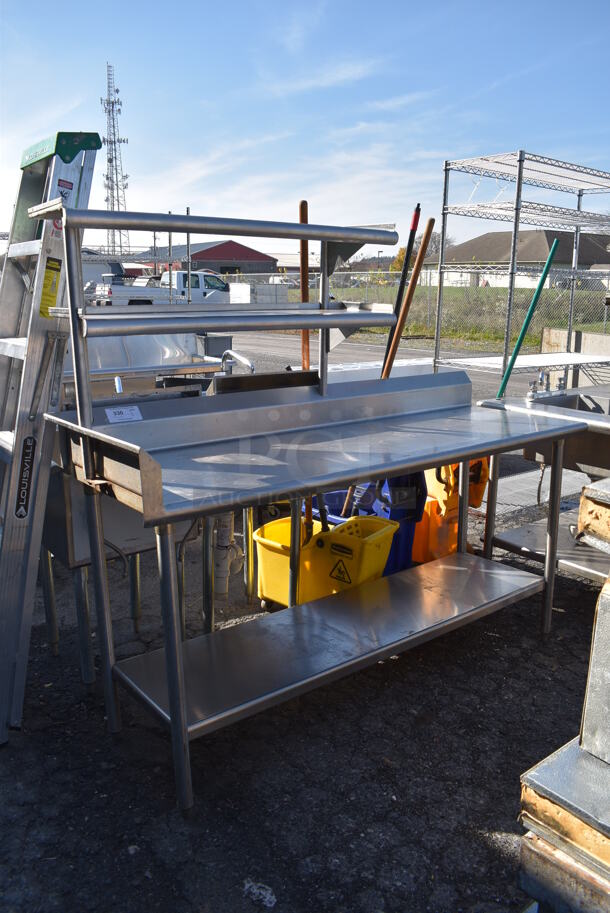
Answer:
(540, 214)
(525, 169)
(538, 171)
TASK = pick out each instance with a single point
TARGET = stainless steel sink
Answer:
(588, 451)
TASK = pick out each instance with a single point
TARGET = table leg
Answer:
(295, 551)
(135, 590)
(550, 560)
(463, 485)
(181, 590)
(248, 527)
(492, 503)
(170, 606)
(102, 606)
(207, 562)
(83, 620)
(48, 597)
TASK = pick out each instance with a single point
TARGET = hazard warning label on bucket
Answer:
(340, 573)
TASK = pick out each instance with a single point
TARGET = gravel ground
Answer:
(396, 789)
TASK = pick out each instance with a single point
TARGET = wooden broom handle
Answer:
(400, 325)
(406, 301)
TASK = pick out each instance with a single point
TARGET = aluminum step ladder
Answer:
(34, 329)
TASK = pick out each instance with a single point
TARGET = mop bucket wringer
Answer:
(352, 553)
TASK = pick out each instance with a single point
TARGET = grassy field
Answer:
(478, 314)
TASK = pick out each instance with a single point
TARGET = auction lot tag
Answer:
(123, 414)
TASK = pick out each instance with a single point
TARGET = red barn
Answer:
(221, 256)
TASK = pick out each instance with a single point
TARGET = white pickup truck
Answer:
(206, 287)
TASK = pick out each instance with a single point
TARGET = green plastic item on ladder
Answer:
(528, 320)
(65, 145)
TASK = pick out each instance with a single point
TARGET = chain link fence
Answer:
(474, 303)
(475, 307)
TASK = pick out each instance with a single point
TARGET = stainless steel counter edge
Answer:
(160, 514)
(590, 420)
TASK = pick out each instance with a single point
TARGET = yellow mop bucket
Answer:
(351, 553)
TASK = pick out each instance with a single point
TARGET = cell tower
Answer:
(115, 182)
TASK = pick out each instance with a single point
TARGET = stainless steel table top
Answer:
(241, 453)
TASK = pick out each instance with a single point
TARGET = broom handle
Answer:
(528, 319)
(405, 271)
(406, 303)
(400, 324)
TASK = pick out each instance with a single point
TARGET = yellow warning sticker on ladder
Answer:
(50, 286)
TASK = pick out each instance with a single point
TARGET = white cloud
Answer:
(374, 183)
(398, 101)
(345, 134)
(339, 74)
(294, 33)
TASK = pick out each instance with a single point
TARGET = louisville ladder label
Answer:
(50, 286)
(25, 477)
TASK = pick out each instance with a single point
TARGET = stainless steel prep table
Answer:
(290, 443)
(587, 452)
(235, 450)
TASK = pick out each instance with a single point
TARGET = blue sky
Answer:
(243, 108)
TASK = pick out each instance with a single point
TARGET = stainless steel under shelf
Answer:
(577, 558)
(241, 670)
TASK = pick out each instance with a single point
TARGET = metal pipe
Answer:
(48, 598)
(248, 529)
(135, 590)
(207, 564)
(205, 225)
(229, 355)
(304, 280)
(76, 302)
(80, 354)
(181, 578)
(188, 259)
(463, 491)
(102, 605)
(323, 338)
(575, 251)
(492, 501)
(169, 263)
(295, 551)
(143, 325)
(166, 556)
(552, 527)
(441, 260)
(513, 259)
(83, 619)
